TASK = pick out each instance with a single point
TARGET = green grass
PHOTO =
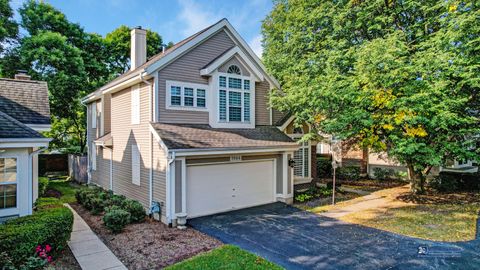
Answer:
(66, 188)
(227, 257)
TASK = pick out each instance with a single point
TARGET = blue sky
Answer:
(172, 19)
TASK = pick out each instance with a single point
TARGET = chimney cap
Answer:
(22, 71)
(138, 27)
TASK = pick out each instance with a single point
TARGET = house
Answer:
(190, 132)
(24, 112)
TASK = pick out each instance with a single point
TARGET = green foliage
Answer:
(400, 78)
(117, 200)
(312, 193)
(8, 26)
(348, 173)
(49, 225)
(454, 181)
(42, 185)
(303, 197)
(324, 167)
(136, 210)
(387, 174)
(116, 219)
(50, 202)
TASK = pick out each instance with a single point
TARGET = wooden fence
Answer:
(52, 163)
(77, 168)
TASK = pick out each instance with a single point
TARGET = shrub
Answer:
(383, 174)
(49, 225)
(349, 173)
(42, 185)
(136, 210)
(453, 181)
(116, 219)
(48, 202)
(324, 166)
(303, 197)
(118, 200)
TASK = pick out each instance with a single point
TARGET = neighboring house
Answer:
(190, 131)
(24, 111)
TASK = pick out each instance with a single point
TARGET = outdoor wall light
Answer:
(291, 163)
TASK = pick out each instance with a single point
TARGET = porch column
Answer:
(313, 162)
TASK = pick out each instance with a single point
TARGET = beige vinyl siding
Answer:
(234, 61)
(101, 176)
(262, 111)
(124, 135)
(277, 116)
(159, 176)
(107, 113)
(187, 69)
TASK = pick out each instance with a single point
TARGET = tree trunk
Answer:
(417, 180)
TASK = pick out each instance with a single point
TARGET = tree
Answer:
(119, 46)
(8, 28)
(394, 76)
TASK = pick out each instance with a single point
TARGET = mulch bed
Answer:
(66, 261)
(368, 184)
(150, 244)
(51, 192)
(433, 197)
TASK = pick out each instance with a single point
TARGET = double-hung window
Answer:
(8, 183)
(186, 96)
(301, 168)
(234, 98)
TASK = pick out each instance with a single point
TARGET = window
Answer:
(135, 165)
(8, 183)
(301, 168)
(186, 96)
(94, 115)
(176, 95)
(234, 69)
(234, 99)
(135, 100)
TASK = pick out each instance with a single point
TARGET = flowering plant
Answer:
(43, 252)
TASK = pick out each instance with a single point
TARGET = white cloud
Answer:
(195, 17)
(256, 45)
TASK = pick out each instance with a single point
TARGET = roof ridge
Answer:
(22, 81)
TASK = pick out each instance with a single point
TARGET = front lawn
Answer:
(225, 257)
(434, 216)
(64, 190)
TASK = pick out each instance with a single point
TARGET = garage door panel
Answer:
(224, 187)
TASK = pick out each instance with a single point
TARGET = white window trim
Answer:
(94, 114)
(308, 177)
(12, 183)
(184, 85)
(135, 104)
(251, 92)
(136, 162)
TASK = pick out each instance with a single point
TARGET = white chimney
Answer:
(138, 48)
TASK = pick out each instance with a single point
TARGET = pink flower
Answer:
(49, 258)
(48, 248)
(43, 254)
(38, 248)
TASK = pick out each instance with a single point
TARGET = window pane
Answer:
(176, 91)
(298, 158)
(200, 92)
(235, 83)
(8, 170)
(246, 84)
(235, 114)
(188, 92)
(235, 99)
(201, 102)
(223, 105)
(188, 101)
(223, 81)
(176, 101)
(8, 196)
(246, 107)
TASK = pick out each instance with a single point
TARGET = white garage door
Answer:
(224, 187)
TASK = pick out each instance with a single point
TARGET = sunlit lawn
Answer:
(66, 188)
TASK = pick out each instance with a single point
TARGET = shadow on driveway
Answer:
(296, 239)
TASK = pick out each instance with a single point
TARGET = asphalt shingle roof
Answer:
(190, 136)
(11, 128)
(25, 100)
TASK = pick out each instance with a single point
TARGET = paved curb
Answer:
(91, 253)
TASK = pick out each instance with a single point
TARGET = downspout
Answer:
(150, 176)
(30, 176)
(170, 160)
(89, 176)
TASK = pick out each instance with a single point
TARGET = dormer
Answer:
(232, 81)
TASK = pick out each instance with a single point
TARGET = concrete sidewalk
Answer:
(91, 253)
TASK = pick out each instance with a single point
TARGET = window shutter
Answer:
(135, 165)
(94, 115)
(94, 157)
(135, 106)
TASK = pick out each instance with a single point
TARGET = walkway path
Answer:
(367, 202)
(91, 253)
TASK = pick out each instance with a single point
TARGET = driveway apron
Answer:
(296, 239)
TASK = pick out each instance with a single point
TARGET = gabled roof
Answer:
(162, 59)
(25, 100)
(204, 137)
(10, 128)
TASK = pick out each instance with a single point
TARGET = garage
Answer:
(216, 188)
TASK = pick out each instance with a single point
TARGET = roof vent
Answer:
(22, 75)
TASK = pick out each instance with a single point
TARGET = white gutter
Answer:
(168, 203)
(219, 151)
(30, 176)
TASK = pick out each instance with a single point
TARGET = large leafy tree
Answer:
(8, 28)
(395, 76)
(118, 42)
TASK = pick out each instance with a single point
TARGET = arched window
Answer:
(234, 69)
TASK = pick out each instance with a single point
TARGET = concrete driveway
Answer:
(296, 239)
